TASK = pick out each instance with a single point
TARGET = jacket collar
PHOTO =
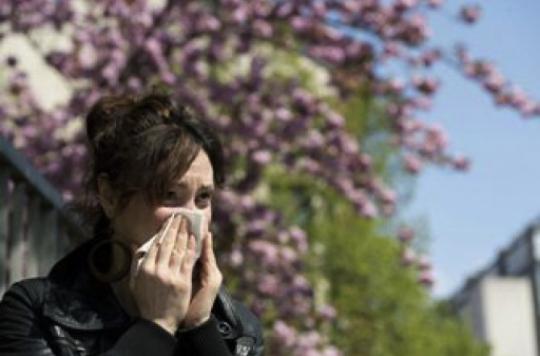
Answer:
(77, 299)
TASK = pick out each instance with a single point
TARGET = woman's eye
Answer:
(170, 195)
(204, 196)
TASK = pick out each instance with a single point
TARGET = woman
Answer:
(150, 159)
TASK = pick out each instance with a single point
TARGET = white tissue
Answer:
(197, 227)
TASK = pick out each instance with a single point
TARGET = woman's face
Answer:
(139, 221)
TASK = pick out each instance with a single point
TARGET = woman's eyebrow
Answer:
(184, 185)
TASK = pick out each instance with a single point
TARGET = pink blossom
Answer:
(430, 56)
(268, 284)
(240, 15)
(405, 234)
(308, 165)
(502, 99)
(284, 333)
(349, 144)
(288, 255)
(528, 108)
(314, 139)
(470, 14)
(461, 163)
(365, 160)
(300, 283)
(256, 227)
(435, 3)
(283, 237)
(268, 251)
(331, 54)
(247, 202)
(335, 120)
(436, 136)
(426, 278)
(408, 257)
(308, 340)
(424, 263)
(517, 97)
(87, 57)
(261, 8)
(283, 114)
(262, 28)
(331, 351)
(396, 85)
(285, 9)
(236, 258)
(319, 9)
(208, 23)
(402, 5)
(392, 49)
(327, 311)
(369, 210)
(388, 196)
(421, 102)
(261, 156)
(300, 24)
(110, 73)
(299, 237)
(494, 83)
(427, 86)
(352, 6)
(412, 164)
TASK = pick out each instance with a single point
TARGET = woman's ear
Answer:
(106, 195)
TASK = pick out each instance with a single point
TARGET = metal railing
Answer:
(35, 229)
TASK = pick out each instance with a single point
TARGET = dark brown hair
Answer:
(142, 144)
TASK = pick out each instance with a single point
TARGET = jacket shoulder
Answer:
(31, 291)
(248, 332)
(251, 325)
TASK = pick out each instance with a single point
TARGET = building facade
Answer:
(501, 303)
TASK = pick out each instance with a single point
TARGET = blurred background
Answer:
(381, 196)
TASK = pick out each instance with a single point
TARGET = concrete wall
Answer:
(500, 310)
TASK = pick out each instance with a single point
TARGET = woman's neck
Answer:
(121, 287)
(124, 297)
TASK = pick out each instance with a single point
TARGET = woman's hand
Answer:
(206, 282)
(162, 284)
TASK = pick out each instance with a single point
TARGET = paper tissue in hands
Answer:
(197, 226)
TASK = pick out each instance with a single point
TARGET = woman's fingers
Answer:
(167, 226)
(209, 263)
(149, 260)
(208, 250)
(179, 249)
(186, 267)
(167, 245)
(182, 246)
(150, 255)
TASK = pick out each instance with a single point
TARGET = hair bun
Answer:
(105, 117)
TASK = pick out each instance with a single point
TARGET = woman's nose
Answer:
(190, 204)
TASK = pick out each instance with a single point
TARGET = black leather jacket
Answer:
(70, 312)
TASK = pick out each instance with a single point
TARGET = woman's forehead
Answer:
(200, 172)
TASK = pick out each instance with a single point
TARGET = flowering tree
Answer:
(271, 75)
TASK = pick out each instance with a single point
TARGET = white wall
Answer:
(501, 312)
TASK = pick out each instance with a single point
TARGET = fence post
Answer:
(35, 235)
(17, 243)
(4, 175)
(49, 241)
